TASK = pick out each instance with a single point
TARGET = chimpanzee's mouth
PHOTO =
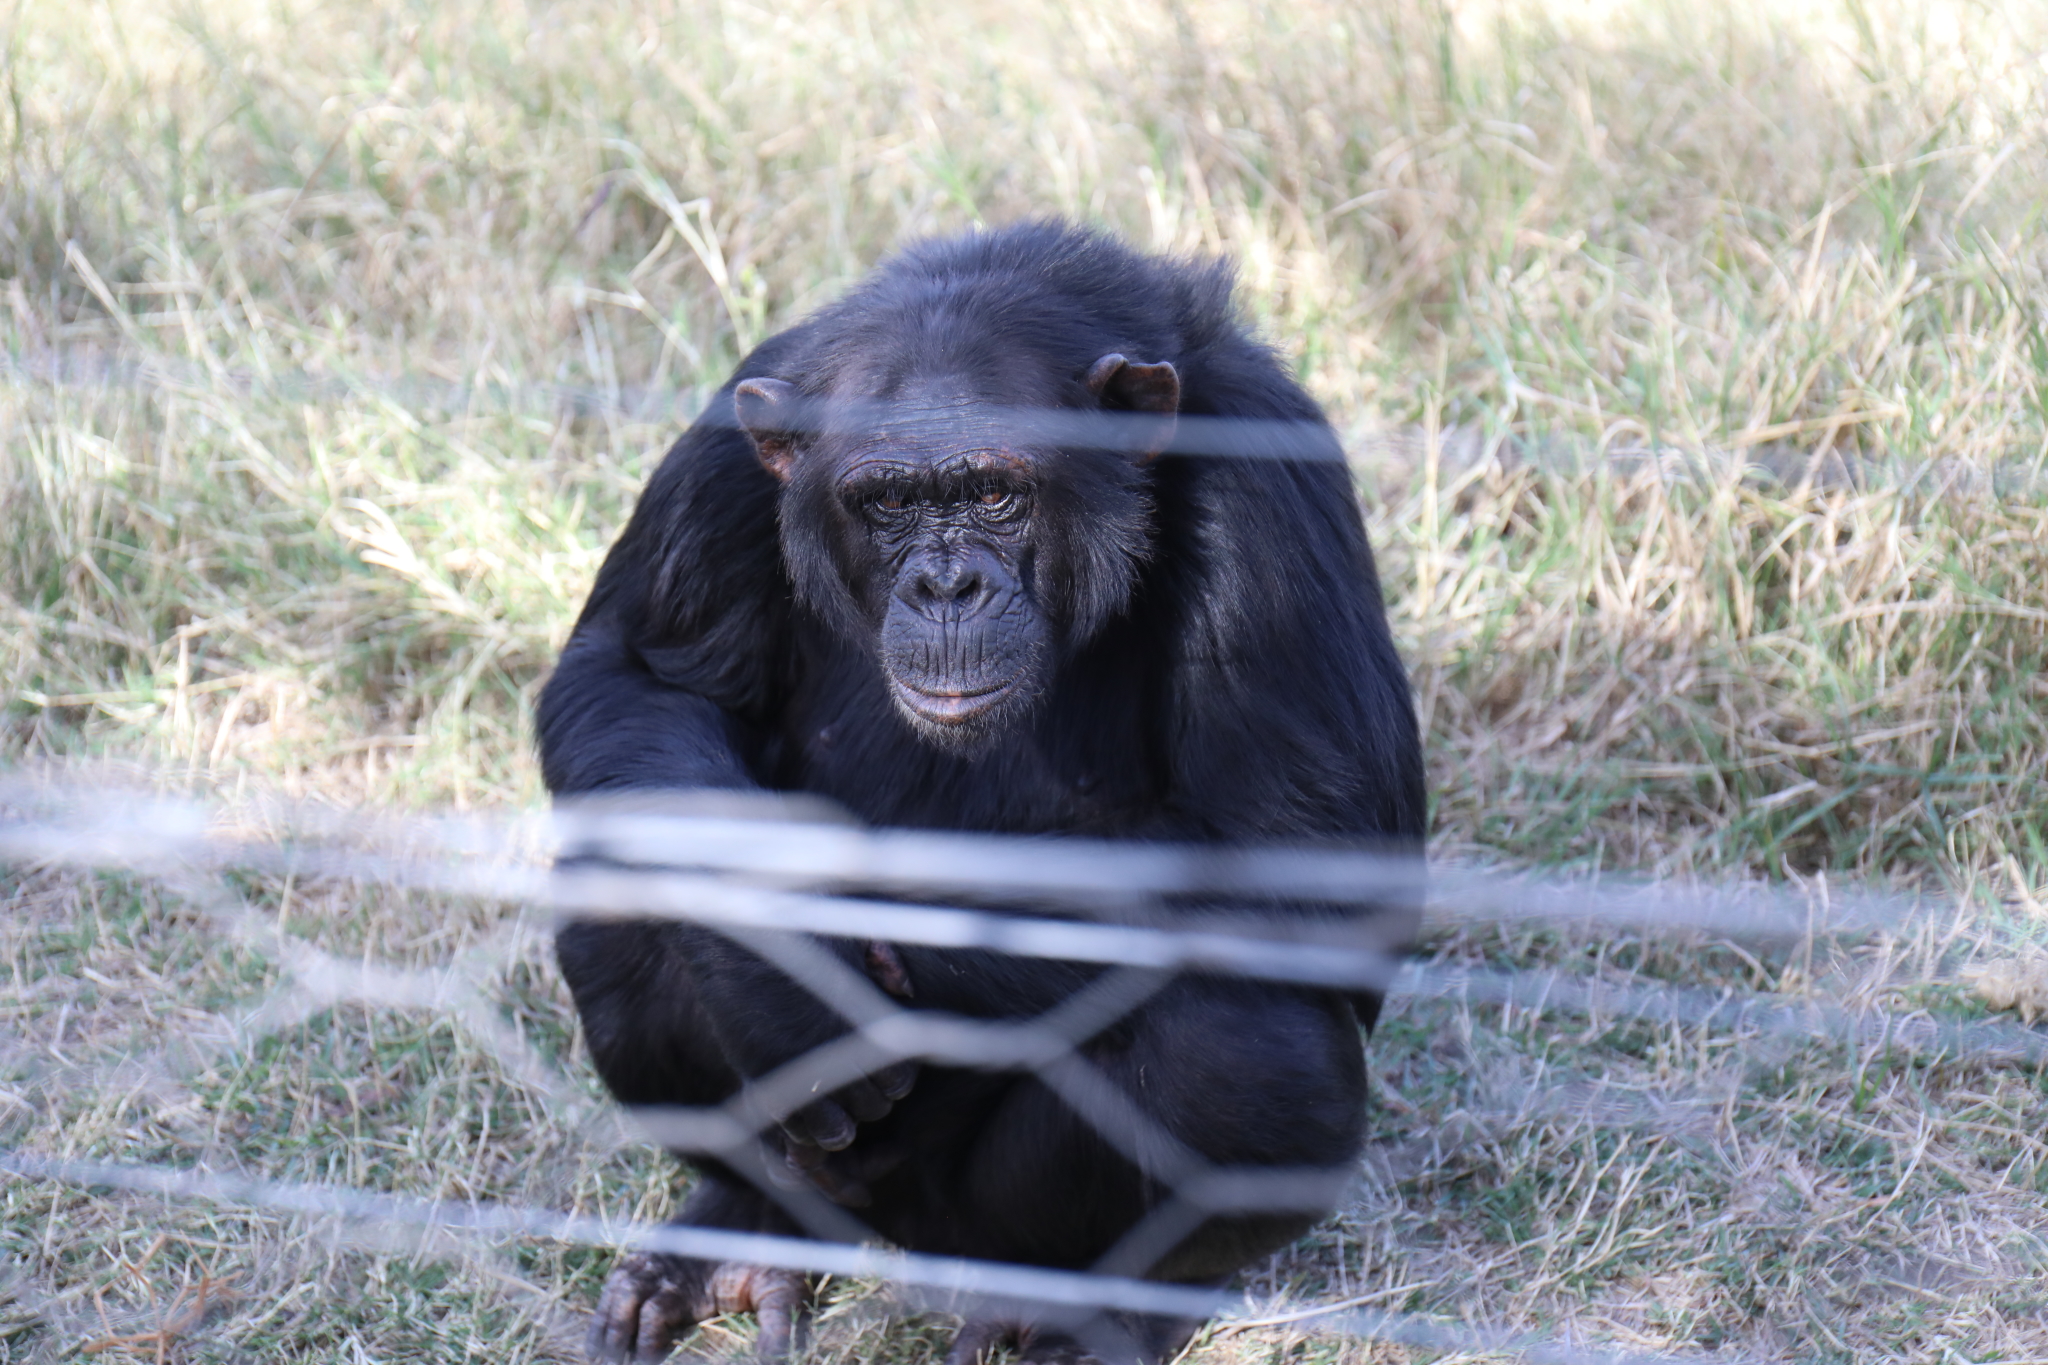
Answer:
(950, 706)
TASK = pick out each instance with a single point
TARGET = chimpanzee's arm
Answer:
(667, 684)
(675, 1013)
(608, 724)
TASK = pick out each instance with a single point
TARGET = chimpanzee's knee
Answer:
(1210, 1128)
(646, 1029)
(1246, 1074)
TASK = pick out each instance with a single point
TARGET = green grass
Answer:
(1693, 363)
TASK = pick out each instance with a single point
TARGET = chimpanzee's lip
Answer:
(950, 707)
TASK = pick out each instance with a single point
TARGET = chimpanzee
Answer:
(865, 574)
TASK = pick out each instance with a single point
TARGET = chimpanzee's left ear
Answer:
(766, 411)
(1151, 392)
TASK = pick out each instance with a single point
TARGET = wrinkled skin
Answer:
(937, 523)
(964, 645)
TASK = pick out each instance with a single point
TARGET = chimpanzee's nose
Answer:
(936, 586)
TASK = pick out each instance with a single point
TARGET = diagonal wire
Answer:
(959, 1283)
(776, 922)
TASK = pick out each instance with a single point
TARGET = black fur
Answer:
(1214, 665)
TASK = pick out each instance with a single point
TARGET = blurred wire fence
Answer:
(775, 876)
(1712, 243)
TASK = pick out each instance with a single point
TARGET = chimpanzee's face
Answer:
(944, 552)
(967, 562)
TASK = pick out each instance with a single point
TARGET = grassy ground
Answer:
(1694, 365)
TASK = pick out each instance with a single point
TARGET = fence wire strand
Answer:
(776, 879)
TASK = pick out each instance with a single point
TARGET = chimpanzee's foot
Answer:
(652, 1301)
(978, 1342)
(1124, 1339)
(979, 1339)
(1057, 1348)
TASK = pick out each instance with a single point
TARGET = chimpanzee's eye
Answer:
(996, 503)
(886, 506)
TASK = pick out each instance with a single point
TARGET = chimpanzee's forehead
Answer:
(924, 436)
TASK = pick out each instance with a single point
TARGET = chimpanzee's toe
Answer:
(978, 1340)
(652, 1301)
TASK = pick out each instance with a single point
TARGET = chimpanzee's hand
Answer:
(813, 1133)
(818, 1141)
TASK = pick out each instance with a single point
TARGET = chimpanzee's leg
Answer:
(645, 1026)
(652, 1046)
(1211, 1078)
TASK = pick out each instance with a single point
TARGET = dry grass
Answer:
(1696, 368)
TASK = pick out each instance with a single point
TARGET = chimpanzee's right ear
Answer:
(1150, 393)
(766, 410)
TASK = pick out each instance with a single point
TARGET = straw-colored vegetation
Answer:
(1695, 365)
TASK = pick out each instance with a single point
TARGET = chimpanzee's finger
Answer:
(806, 1158)
(647, 1306)
(815, 1168)
(776, 1307)
(775, 1297)
(821, 1124)
(840, 1188)
(884, 966)
(895, 1081)
(864, 1101)
(980, 1339)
